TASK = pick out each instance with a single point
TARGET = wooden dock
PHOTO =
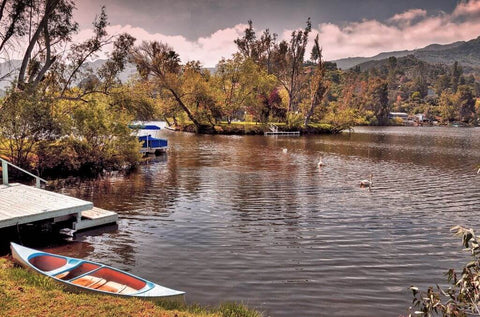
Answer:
(283, 133)
(21, 204)
(276, 132)
(95, 217)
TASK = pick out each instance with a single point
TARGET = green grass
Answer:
(25, 293)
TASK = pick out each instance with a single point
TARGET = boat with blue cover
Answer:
(148, 134)
(83, 275)
(152, 145)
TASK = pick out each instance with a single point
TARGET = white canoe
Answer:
(90, 276)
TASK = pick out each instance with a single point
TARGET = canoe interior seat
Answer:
(127, 290)
(102, 284)
(62, 275)
(89, 281)
(111, 287)
(114, 287)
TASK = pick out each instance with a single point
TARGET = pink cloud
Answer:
(408, 30)
(409, 15)
(208, 50)
(370, 37)
(468, 8)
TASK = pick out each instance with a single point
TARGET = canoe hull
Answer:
(78, 275)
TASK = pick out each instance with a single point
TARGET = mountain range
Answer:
(466, 53)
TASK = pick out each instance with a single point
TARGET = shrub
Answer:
(462, 297)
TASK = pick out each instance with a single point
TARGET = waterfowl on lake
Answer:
(90, 276)
(367, 182)
(320, 163)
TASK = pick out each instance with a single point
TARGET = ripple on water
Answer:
(235, 218)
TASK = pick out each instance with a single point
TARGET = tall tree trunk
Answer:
(49, 8)
(185, 108)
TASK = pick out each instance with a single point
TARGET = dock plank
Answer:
(21, 204)
(95, 217)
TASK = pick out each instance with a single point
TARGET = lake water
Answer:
(235, 218)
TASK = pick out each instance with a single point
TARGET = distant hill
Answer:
(10, 71)
(408, 67)
(467, 53)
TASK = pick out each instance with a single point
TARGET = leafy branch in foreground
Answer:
(462, 297)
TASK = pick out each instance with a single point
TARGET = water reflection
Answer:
(236, 218)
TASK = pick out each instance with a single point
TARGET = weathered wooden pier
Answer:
(284, 133)
(21, 204)
(274, 131)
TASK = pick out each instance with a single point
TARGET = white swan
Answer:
(367, 182)
(320, 163)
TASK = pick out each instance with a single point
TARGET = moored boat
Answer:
(148, 134)
(90, 276)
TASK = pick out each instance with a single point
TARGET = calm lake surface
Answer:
(235, 218)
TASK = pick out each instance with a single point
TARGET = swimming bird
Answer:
(367, 182)
(320, 163)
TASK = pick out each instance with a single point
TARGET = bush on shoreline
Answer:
(253, 128)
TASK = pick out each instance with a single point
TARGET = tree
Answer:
(49, 55)
(318, 87)
(268, 105)
(234, 87)
(288, 64)
(26, 117)
(81, 52)
(40, 112)
(95, 138)
(455, 77)
(198, 93)
(52, 25)
(442, 83)
(137, 99)
(259, 50)
(377, 100)
(345, 112)
(465, 103)
(117, 61)
(13, 20)
(240, 82)
(158, 61)
(66, 73)
(447, 107)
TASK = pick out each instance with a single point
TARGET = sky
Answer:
(204, 30)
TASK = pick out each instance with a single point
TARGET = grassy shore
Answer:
(24, 293)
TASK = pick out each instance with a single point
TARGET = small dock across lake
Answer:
(283, 133)
(276, 132)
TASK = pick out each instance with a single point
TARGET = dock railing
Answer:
(273, 128)
(5, 164)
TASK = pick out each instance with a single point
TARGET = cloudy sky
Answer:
(205, 29)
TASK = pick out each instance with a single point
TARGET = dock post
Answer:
(4, 172)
